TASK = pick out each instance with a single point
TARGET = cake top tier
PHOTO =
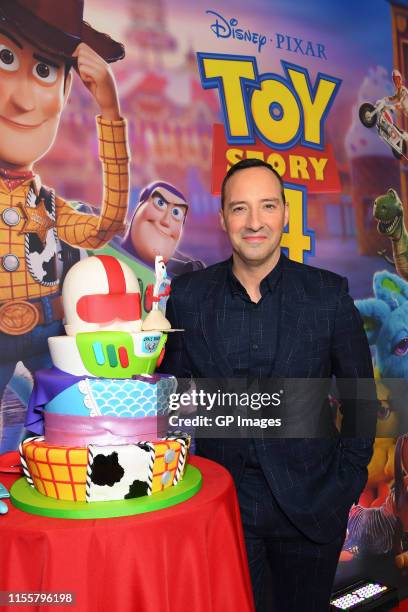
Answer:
(101, 293)
(106, 336)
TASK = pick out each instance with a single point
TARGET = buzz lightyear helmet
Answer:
(397, 78)
(101, 293)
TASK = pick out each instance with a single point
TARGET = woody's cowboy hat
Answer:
(57, 27)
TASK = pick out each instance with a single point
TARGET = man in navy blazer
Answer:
(261, 315)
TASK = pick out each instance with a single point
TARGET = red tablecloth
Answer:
(188, 557)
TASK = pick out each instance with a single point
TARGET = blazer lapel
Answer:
(292, 313)
(209, 326)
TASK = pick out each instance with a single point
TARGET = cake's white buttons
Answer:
(166, 477)
(169, 455)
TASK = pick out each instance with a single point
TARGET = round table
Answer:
(190, 556)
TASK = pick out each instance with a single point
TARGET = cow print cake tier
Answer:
(101, 412)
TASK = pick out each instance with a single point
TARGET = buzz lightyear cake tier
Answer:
(101, 412)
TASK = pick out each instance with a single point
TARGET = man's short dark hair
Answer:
(250, 163)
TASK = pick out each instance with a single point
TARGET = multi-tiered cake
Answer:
(101, 409)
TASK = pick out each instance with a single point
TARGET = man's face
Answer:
(254, 214)
(157, 225)
(31, 100)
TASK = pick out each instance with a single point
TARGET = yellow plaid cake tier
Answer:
(104, 472)
(55, 471)
(166, 461)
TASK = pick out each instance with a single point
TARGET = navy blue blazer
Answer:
(314, 480)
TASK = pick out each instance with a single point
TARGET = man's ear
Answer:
(222, 220)
(67, 86)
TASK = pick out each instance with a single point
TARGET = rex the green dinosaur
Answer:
(389, 213)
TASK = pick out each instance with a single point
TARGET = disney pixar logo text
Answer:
(228, 28)
(224, 28)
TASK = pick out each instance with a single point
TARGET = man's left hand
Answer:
(98, 78)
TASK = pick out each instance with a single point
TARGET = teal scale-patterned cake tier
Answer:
(124, 398)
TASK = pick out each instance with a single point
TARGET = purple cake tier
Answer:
(72, 430)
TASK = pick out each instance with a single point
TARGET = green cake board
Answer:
(24, 497)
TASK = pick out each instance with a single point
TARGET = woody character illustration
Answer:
(40, 42)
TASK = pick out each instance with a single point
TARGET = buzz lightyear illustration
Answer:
(157, 227)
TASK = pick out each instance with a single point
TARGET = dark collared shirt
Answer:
(251, 336)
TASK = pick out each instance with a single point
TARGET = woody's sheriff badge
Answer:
(37, 221)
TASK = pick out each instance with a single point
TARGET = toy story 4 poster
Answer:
(183, 90)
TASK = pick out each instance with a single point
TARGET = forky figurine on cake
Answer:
(156, 320)
(105, 332)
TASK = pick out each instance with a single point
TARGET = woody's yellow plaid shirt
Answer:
(78, 229)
